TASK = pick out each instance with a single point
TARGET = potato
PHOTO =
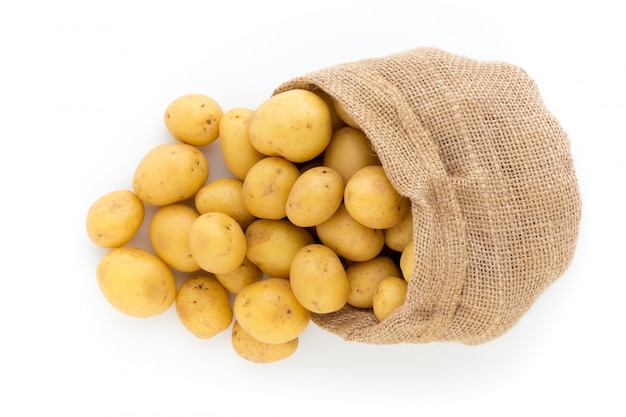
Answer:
(318, 279)
(256, 351)
(349, 238)
(245, 274)
(341, 111)
(225, 196)
(272, 244)
(407, 261)
(400, 234)
(371, 199)
(114, 218)
(217, 242)
(363, 278)
(314, 197)
(294, 124)
(193, 119)
(267, 186)
(136, 282)
(353, 142)
(336, 121)
(203, 306)
(169, 236)
(269, 312)
(390, 294)
(170, 173)
(238, 153)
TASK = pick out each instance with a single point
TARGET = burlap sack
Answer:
(488, 169)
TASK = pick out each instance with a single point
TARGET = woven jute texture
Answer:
(488, 169)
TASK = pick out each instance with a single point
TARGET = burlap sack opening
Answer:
(488, 169)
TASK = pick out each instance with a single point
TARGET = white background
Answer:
(83, 88)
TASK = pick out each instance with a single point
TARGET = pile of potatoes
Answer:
(307, 223)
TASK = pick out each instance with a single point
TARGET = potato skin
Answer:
(193, 119)
(170, 173)
(238, 153)
(318, 279)
(203, 306)
(114, 218)
(136, 282)
(269, 311)
(364, 278)
(245, 274)
(169, 236)
(217, 242)
(314, 197)
(224, 195)
(295, 124)
(256, 351)
(371, 199)
(389, 295)
(353, 142)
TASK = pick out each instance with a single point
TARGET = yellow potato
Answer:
(390, 294)
(349, 238)
(114, 218)
(353, 142)
(268, 311)
(400, 234)
(169, 235)
(336, 121)
(267, 186)
(203, 306)
(136, 282)
(314, 197)
(225, 196)
(245, 274)
(238, 153)
(294, 124)
(407, 261)
(217, 242)
(193, 119)
(341, 111)
(318, 279)
(256, 351)
(272, 244)
(365, 276)
(371, 199)
(170, 173)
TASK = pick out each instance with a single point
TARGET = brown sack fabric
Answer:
(488, 169)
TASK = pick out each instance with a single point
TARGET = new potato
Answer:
(217, 242)
(203, 306)
(269, 312)
(390, 294)
(353, 142)
(114, 218)
(256, 351)
(193, 119)
(224, 195)
(169, 236)
(364, 277)
(136, 282)
(237, 152)
(170, 173)
(314, 197)
(245, 274)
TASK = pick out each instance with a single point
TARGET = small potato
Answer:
(318, 279)
(349, 238)
(294, 124)
(114, 218)
(341, 111)
(400, 234)
(269, 312)
(407, 261)
(365, 276)
(390, 294)
(194, 119)
(314, 197)
(272, 244)
(169, 236)
(217, 242)
(225, 196)
(238, 153)
(256, 351)
(353, 142)
(245, 274)
(203, 306)
(371, 199)
(170, 173)
(267, 186)
(136, 282)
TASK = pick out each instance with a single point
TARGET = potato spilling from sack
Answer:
(307, 223)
